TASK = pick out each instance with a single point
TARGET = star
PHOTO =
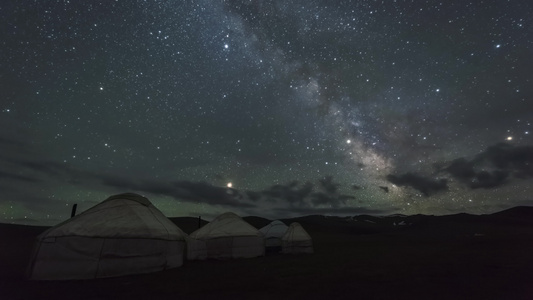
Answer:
(365, 99)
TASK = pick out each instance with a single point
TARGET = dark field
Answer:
(449, 257)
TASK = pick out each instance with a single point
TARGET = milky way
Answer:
(305, 107)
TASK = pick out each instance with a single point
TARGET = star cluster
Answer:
(271, 108)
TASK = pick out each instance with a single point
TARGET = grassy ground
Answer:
(448, 260)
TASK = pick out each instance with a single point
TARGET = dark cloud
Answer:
(304, 195)
(420, 183)
(196, 192)
(205, 192)
(219, 177)
(461, 169)
(118, 182)
(508, 158)
(488, 180)
(329, 194)
(45, 172)
(328, 185)
(254, 196)
(50, 169)
(10, 176)
(9, 142)
(334, 200)
(347, 210)
(493, 167)
(46, 167)
(322, 199)
(292, 193)
(355, 187)
(14, 140)
(346, 197)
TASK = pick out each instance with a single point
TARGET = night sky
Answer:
(269, 108)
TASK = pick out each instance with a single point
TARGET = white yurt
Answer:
(227, 236)
(273, 232)
(125, 234)
(296, 240)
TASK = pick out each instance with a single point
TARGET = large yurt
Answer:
(227, 236)
(296, 240)
(124, 234)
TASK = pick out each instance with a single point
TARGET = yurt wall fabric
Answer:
(227, 236)
(124, 234)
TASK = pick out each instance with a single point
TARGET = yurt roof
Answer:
(119, 216)
(225, 225)
(296, 232)
(274, 229)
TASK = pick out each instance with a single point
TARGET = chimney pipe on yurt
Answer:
(73, 212)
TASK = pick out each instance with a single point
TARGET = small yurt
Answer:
(296, 240)
(273, 232)
(227, 236)
(125, 234)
